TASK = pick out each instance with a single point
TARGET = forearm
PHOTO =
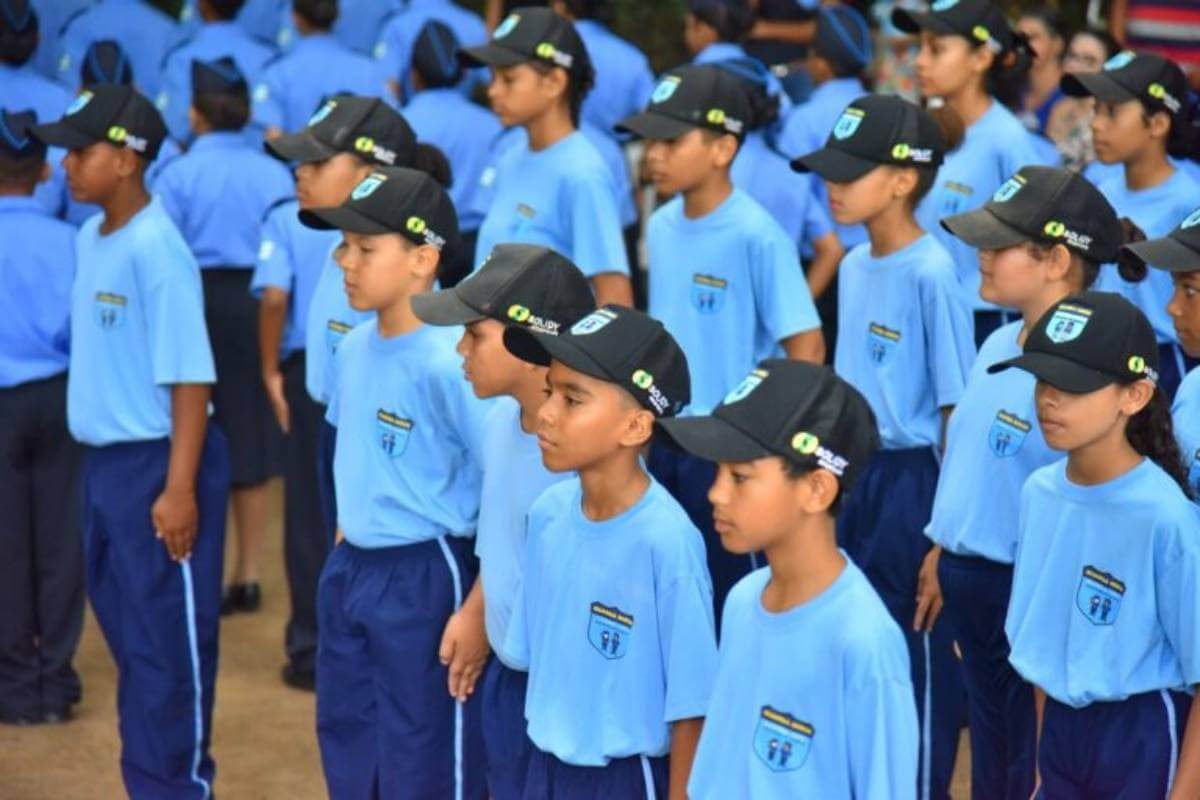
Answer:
(782, 31)
(613, 287)
(807, 346)
(272, 318)
(1187, 776)
(827, 253)
(473, 602)
(189, 423)
(685, 736)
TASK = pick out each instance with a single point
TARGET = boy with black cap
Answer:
(408, 479)
(137, 395)
(614, 617)
(905, 341)
(41, 561)
(724, 277)
(793, 720)
(217, 194)
(529, 287)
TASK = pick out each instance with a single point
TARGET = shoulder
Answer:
(279, 210)
(554, 502)
(932, 263)
(667, 527)
(870, 640)
(179, 50)
(1000, 343)
(582, 161)
(355, 344)
(746, 594)
(1188, 393)
(668, 214)
(1042, 483)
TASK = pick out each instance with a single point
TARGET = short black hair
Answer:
(225, 9)
(23, 171)
(224, 111)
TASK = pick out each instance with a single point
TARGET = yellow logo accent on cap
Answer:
(117, 134)
(518, 313)
(1156, 90)
(1137, 365)
(805, 443)
(900, 152)
(715, 116)
(415, 225)
(643, 379)
(545, 50)
(364, 144)
(1054, 228)
(981, 33)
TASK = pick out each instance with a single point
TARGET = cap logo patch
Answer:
(79, 102)
(506, 27)
(119, 135)
(905, 152)
(717, 116)
(1120, 60)
(748, 385)
(551, 53)
(981, 33)
(415, 225)
(368, 186)
(806, 444)
(322, 112)
(666, 87)
(1191, 220)
(1160, 93)
(1057, 230)
(367, 145)
(418, 227)
(1137, 365)
(593, 322)
(848, 123)
(1067, 323)
(645, 381)
(1008, 189)
(523, 316)
(518, 313)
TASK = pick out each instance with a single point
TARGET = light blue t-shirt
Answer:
(406, 467)
(513, 478)
(614, 620)
(787, 195)
(37, 266)
(53, 16)
(729, 287)
(137, 328)
(290, 257)
(317, 67)
(1157, 211)
(993, 443)
(217, 193)
(561, 197)
(24, 89)
(906, 338)
(211, 41)
(465, 132)
(1104, 588)
(1186, 415)
(330, 318)
(994, 147)
(623, 77)
(394, 45)
(790, 719)
(144, 33)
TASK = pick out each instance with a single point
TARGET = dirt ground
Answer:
(264, 741)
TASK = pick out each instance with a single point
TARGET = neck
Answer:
(705, 198)
(613, 486)
(530, 395)
(970, 103)
(1043, 80)
(550, 128)
(126, 202)
(1032, 311)
(1147, 170)
(397, 318)
(804, 564)
(1103, 460)
(893, 229)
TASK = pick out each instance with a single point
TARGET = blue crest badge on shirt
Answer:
(81, 100)
(392, 432)
(1121, 59)
(109, 310)
(748, 385)
(1099, 596)
(609, 629)
(848, 123)
(1008, 189)
(592, 322)
(1194, 473)
(506, 27)
(335, 331)
(1007, 434)
(666, 87)
(781, 741)
(1191, 220)
(881, 343)
(708, 293)
(1067, 323)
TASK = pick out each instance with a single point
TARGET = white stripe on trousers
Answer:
(927, 724)
(458, 706)
(189, 600)
(1166, 698)
(648, 777)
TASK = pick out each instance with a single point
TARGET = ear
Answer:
(127, 162)
(904, 182)
(1136, 396)
(1058, 263)
(822, 491)
(1159, 125)
(724, 150)
(424, 262)
(637, 428)
(981, 59)
(555, 83)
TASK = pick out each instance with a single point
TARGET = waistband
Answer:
(415, 551)
(974, 563)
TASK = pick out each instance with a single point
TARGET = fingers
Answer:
(464, 675)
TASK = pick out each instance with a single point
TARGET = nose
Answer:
(1175, 306)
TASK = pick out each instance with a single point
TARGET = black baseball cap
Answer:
(532, 34)
(220, 76)
(693, 96)
(365, 127)
(519, 284)
(873, 130)
(16, 141)
(843, 38)
(1178, 251)
(393, 200)
(801, 412)
(1157, 82)
(618, 345)
(108, 113)
(433, 55)
(105, 62)
(1086, 342)
(978, 21)
(1047, 205)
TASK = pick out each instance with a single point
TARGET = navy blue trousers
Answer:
(1112, 751)
(634, 778)
(326, 445)
(882, 528)
(159, 617)
(1001, 713)
(506, 744)
(41, 554)
(386, 723)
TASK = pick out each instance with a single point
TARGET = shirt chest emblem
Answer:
(781, 741)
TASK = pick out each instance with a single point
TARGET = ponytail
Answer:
(1184, 140)
(731, 21)
(578, 86)
(1005, 79)
(1131, 269)
(433, 162)
(1151, 433)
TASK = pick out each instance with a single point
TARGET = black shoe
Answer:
(58, 716)
(303, 679)
(18, 720)
(243, 597)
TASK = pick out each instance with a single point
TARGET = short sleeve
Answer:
(335, 403)
(684, 603)
(267, 100)
(882, 737)
(595, 226)
(949, 333)
(781, 293)
(173, 303)
(273, 266)
(170, 193)
(1177, 585)
(515, 648)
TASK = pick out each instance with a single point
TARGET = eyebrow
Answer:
(570, 387)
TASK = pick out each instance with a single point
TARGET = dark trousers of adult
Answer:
(41, 552)
(305, 543)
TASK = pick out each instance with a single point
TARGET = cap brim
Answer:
(833, 165)
(984, 230)
(650, 125)
(1098, 85)
(1167, 253)
(302, 147)
(342, 218)
(444, 308)
(711, 438)
(490, 55)
(1058, 372)
(916, 21)
(542, 348)
(61, 134)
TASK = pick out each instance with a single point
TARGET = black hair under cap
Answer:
(106, 63)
